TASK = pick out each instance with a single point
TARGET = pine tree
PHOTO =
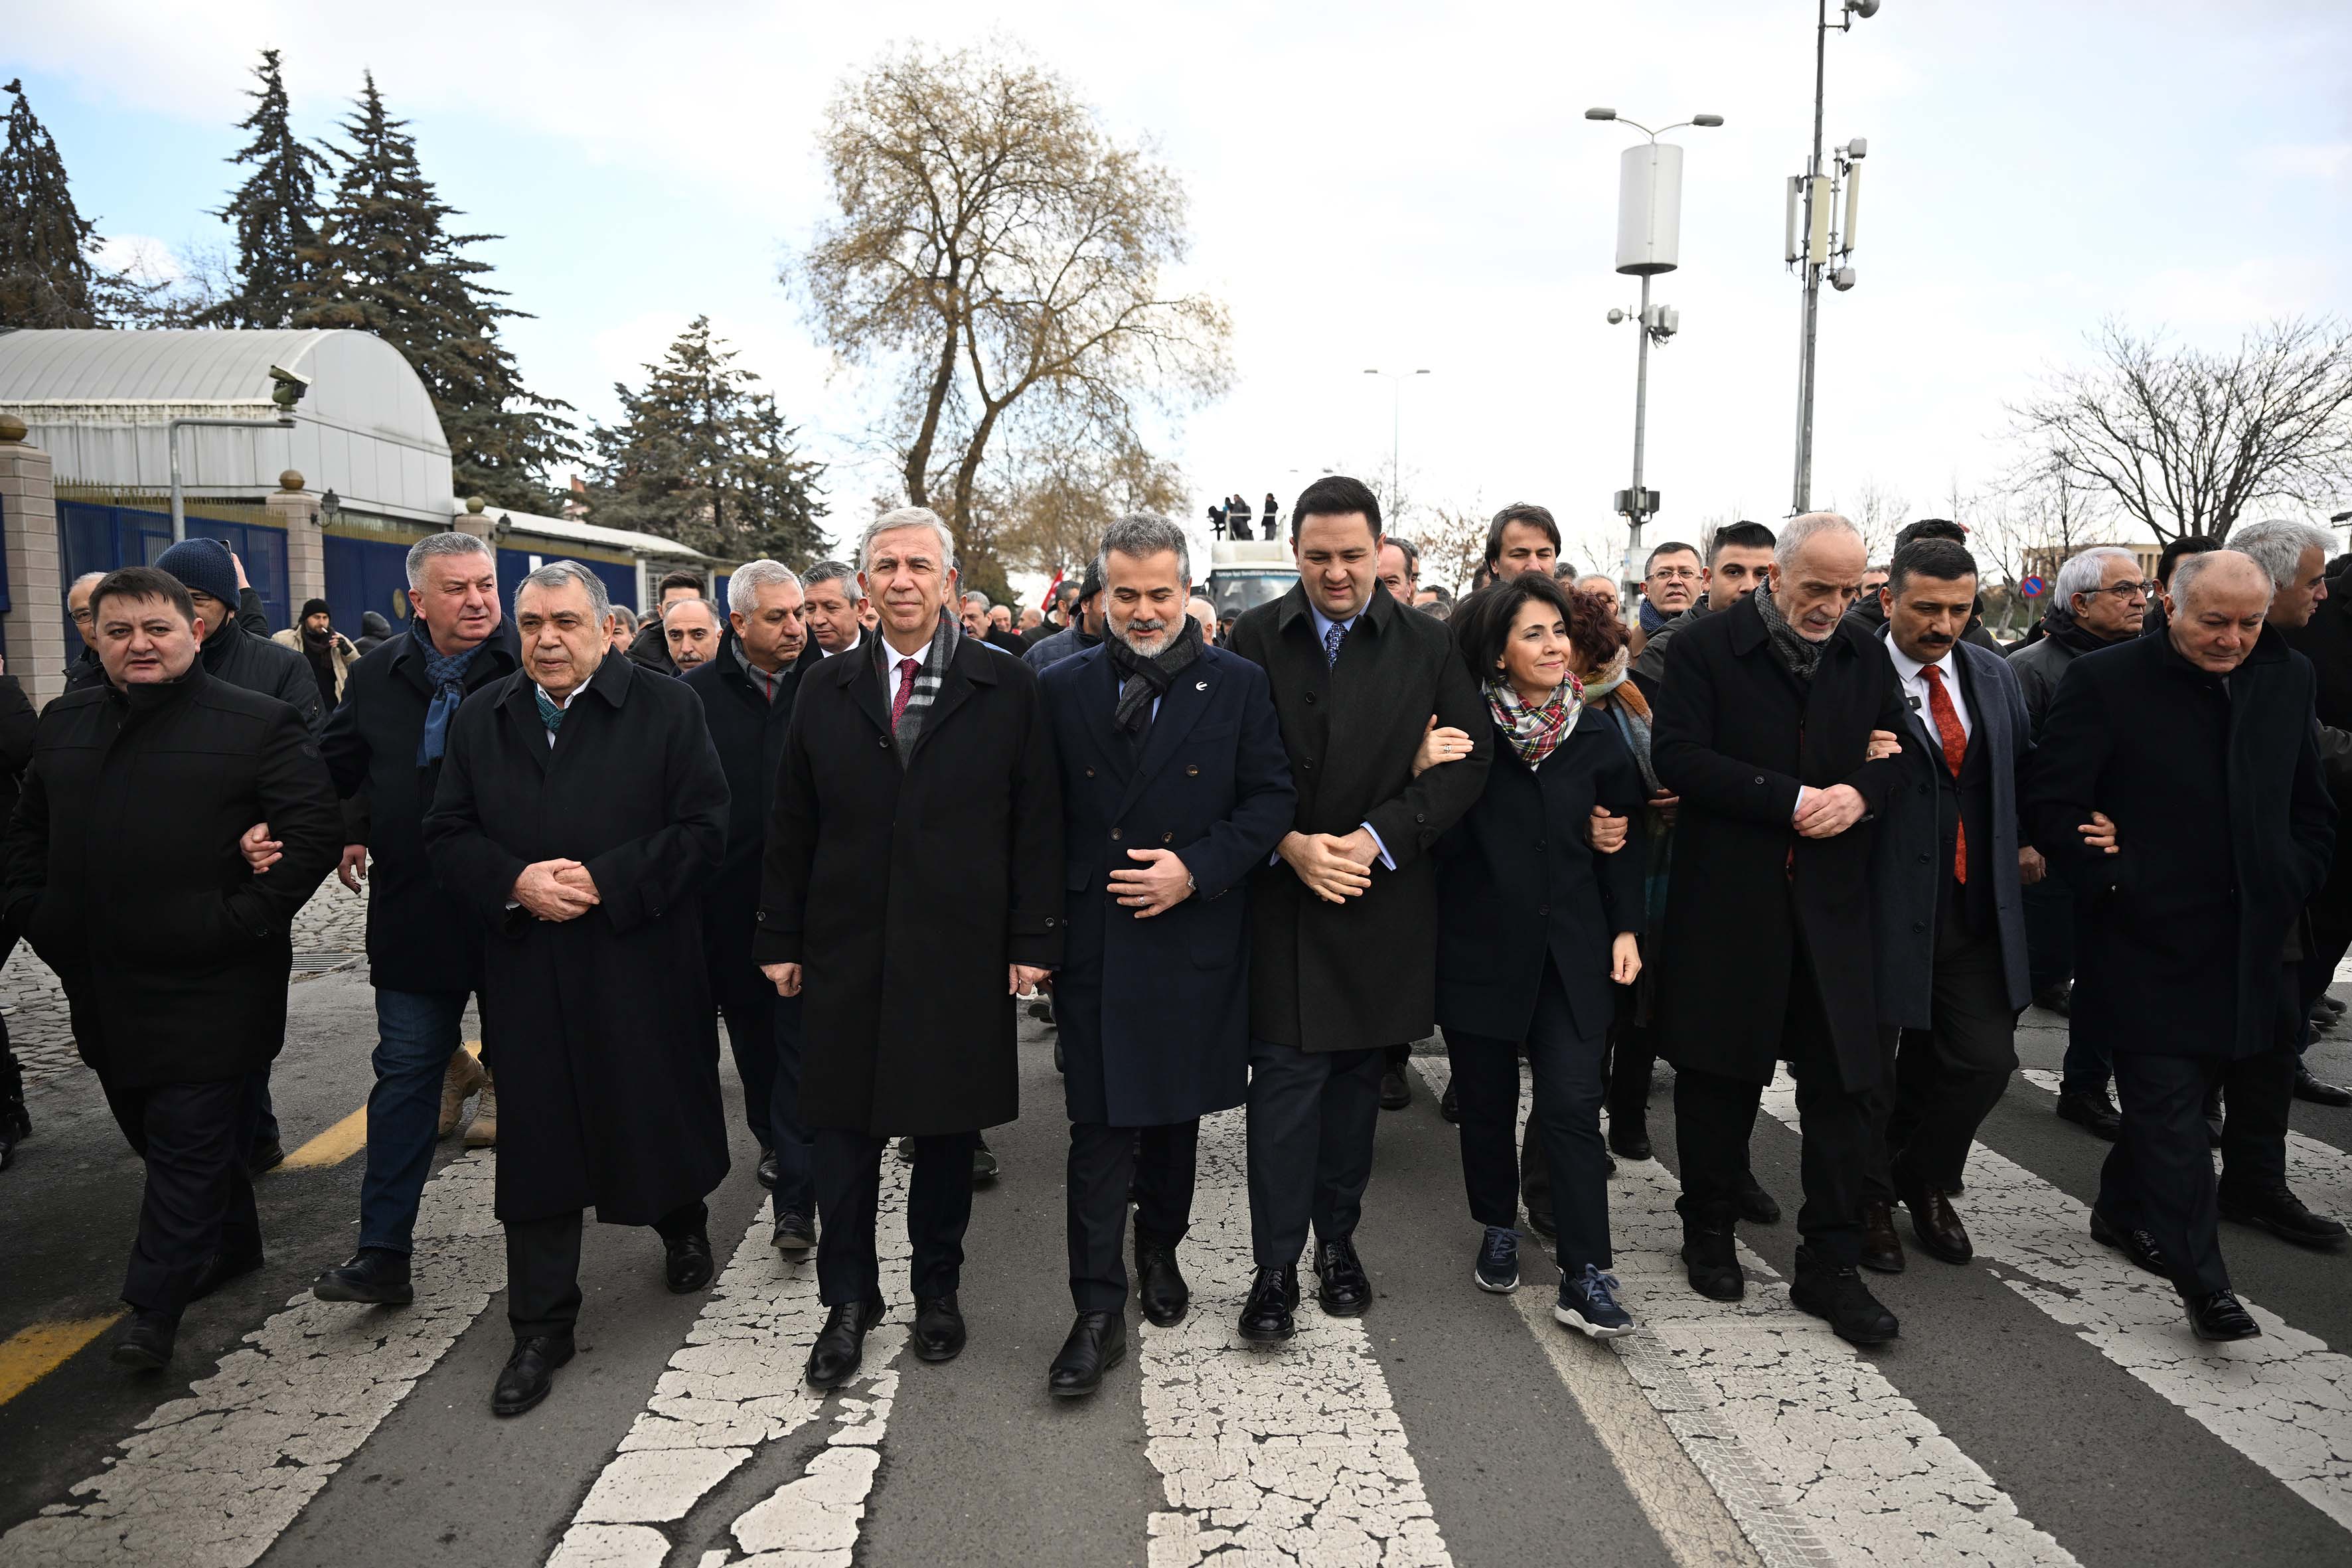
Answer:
(384, 262)
(701, 456)
(47, 278)
(275, 211)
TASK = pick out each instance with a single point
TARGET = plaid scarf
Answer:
(1534, 731)
(927, 680)
(445, 673)
(1800, 653)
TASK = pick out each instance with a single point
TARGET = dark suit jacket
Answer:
(1736, 735)
(1154, 1013)
(1337, 977)
(1517, 884)
(2224, 831)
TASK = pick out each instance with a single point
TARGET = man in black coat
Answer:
(1763, 727)
(1948, 863)
(581, 811)
(2179, 784)
(914, 875)
(124, 874)
(385, 746)
(1174, 790)
(747, 695)
(1342, 962)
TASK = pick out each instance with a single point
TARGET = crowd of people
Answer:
(860, 815)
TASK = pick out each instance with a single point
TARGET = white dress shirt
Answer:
(1919, 691)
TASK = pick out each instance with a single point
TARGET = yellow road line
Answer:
(32, 1353)
(344, 1139)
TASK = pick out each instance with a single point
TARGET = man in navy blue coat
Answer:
(1175, 788)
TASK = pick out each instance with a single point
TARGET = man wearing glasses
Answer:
(1671, 580)
(84, 670)
(2100, 597)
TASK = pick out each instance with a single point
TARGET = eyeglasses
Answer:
(83, 616)
(2124, 591)
(1675, 574)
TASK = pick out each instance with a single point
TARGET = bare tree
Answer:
(1452, 543)
(2186, 440)
(2045, 514)
(1879, 511)
(1000, 257)
(1058, 495)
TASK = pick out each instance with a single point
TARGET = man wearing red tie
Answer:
(1952, 966)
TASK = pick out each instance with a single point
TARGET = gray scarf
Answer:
(927, 680)
(1802, 655)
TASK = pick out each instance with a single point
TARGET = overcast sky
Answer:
(1393, 185)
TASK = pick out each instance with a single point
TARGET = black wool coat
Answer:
(239, 657)
(602, 1026)
(124, 871)
(2224, 831)
(1517, 883)
(2327, 641)
(1340, 977)
(905, 892)
(1154, 1013)
(746, 730)
(420, 937)
(1736, 734)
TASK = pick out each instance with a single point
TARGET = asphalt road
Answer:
(2044, 1404)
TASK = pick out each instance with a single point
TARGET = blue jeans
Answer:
(417, 1032)
(795, 1147)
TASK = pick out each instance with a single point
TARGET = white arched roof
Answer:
(100, 403)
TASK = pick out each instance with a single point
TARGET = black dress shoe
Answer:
(1098, 1341)
(2135, 1244)
(767, 1172)
(688, 1265)
(1629, 1136)
(1449, 1105)
(938, 1328)
(2306, 1088)
(984, 1166)
(1160, 1284)
(373, 1275)
(1835, 1292)
(219, 1270)
(841, 1343)
(1754, 1205)
(2058, 998)
(1937, 1226)
(2282, 1214)
(1711, 1257)
(1273, 1298)
(1395, 1092)
(1882, 1249)
(1340, 1285)
(16, 1126)
(266, 1155)
(529, 1373)
(794, 1235)
(906, 1148)
(146, 1344)
(1542, 1222)
(2093, 1112)
(2220, 1316)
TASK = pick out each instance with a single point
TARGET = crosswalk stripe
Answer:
(2282, 1401)
(1293, 1454)
(34, 1352)
(208, 1481)
(735, 1386)
(2320, 1172)
(1816, 1455)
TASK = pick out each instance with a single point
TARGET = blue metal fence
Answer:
(97, 538)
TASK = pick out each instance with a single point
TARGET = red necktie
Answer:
(1956, 747)
(907, 667)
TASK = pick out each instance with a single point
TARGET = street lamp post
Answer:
(1396, 426)
(287, 389)
(1649, 226)
(1819, 194)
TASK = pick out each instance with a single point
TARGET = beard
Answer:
(1149, 638)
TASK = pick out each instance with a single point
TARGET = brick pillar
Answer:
(296, 511)
(472, 519)
(34, 628)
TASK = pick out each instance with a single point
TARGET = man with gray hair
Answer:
(85, 669)
(1764, 727)
(830, 603)
(580, 813)
(385, 746)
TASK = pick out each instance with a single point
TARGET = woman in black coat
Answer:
(1534, 928)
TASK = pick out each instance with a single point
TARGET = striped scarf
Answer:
(1535, 732)
(927, 680)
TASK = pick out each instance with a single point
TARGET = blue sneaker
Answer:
(1498, 1261)
(1588, 1303)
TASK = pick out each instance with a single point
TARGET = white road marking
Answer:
(735, 1384)
(2282, 1401)
(1294, 1454)
(210, 1481)
(1815, 1454)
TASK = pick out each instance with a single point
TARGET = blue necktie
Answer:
(1331, 639)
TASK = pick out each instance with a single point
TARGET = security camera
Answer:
(1615, 316)
(280, 372)
(1841, 279)
(291, 385)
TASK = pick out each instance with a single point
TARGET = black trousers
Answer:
(1715, 1116)
(1948, 1076)
(543, 1267)
(848, 1194)
(2331, 939)
(198, 1201)
(1311, 1119)
(1632, 1062)
(750, 1015)
(1565, 1123)
(1160, 1164)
